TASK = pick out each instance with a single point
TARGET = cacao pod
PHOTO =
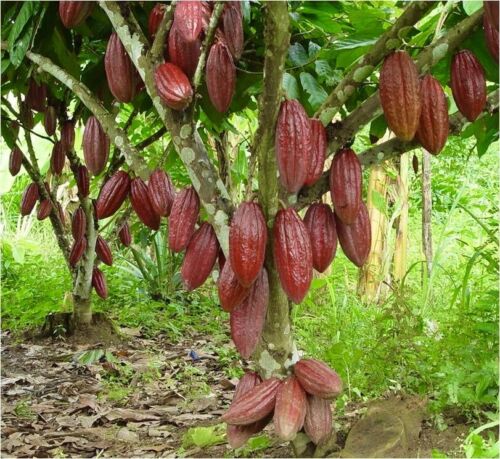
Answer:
(62, 214)
(82, 181)
(290, 409)
(491, 12)
(247, 319)
(112, 195)
(188, 16)
(155, 18)
(201, 255)
(78, 224)
(253, 405)
(231, 292)
(318, 422)
(247, 242)
(14, 126)
(15, 161)
(320, 224)
(26, 116)
(36, 97)
(99, 283)
(491, 36)
(185, 54)
(161, 192)
(318, 152)
(468, 85)
(103, 251)
(399, 90)
(173, 86)
(44, 209)
(317, 378)
(183, 217)
(220, 68)
(58, 158)
(124, 235)
(433, 126)
(74, 13)
(29, 199)
(222, 260)
(233, 30)
(50, 120)
(139, 198)
(292, 254)
(77, 251)
(68, 135)
(355, 239)
(293, 145)
(95, 146)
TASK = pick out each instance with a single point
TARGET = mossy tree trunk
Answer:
(401, 244)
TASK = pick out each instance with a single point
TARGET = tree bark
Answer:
(426, 212)
(401, 245)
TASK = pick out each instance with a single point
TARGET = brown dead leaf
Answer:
(124, 414)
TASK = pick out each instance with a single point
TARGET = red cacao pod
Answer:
(14, 126)
(183, 217)
(58, 158)
(73, 13)
(15, 161)
(201, 255)
(36, 97)
(318, 422)
(68, 135)
(231, 292)
(468, 84)
(95, 146)
(220, 68)
(103, 251)
(77, 251)
(345, 185)
(82, 181)
(62, 214)
(173, 86)
(222, 260)
(99, 283)
(247, 319)
(78, 224)
(293, 145)
(320, 224)
(29, 199)
(120, 71)
(50, 120)
(318, 152)
(188, 16)
(491, 12)
(161, 192)
(399, 90)
(247, 242)
(112, 195)
(232, 24)
(433, 127)
(253, 405)
(44, 209)
(155, 18)
(290, 409)
(139, 198)
(491, 37)
(317, 378)
(292, 254)
(185, 54)
(124, 235)
(355, 239)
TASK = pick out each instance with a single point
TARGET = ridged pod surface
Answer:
(231, 292)
(36, 97)
(399, 90)
(57, 158)
(161, 192)
(95, 146)
(183, 217)
(290, 409)
(112, 195)
(247, 242)
(15, 161)
(68, 135)
(73, 13)
(318, 152)
(77, 250)
(50, 120)
(491, 12)
(62, 214)
(292, 254)
(232, 25)
(29, 199)
(188, 16)
(318, 421)
(356, 239)
(120, 71)
(220, 75)
(434, 125)
(173, 86)
(491, 37)
(124, 235)
(139, 198)
(183, 53)
(247, 319)
(103, 251)
(468, 84)
(83, 181)
(320, 224)
(200, 257)
(293, 145)
(99, 283)
(317, 378)
(155, 18)
(78, 224)
(44, 209)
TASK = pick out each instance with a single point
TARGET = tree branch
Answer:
(156, 52)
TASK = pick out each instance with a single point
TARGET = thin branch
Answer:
(156, 52)
(151, 139)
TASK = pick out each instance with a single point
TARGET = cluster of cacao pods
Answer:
(301, 401)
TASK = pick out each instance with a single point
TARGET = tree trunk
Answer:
(401, 245)
(426, 213)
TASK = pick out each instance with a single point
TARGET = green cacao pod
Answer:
(99, 283)
(73, 13)
(318, 421)
(15, 161)
(139, 198)
(290, 409)
(58, 158)
(173, 86)
(112, 194)
(29, 199)
(161, 192)
(77, 251)
(50, 120)
(318, 152)
(220, 68)
(183, 217)
(95, 146)
(78, 224)
(103, 251)
(317, 378)
(231, 292)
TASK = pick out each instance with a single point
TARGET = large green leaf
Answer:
(298, 55)
(27, 11)
(317, 94)
(290, 86)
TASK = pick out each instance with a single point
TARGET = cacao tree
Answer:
(194, 66)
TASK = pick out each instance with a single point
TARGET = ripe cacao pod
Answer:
(124, 235)
(139, 198)
(318, 422)
(74, 13)
(99, 283)
(173, 86)
(491, 37)
(183, 53)
(15, 161)
(36, 97)
(468, 84)
(188, 16)
(399, 90)
(112, 195)
(201, 255)
(77, 251)
(58, 158)
(247, 319)
(44, 209)
(103, 251)
(62, 214)
(155, 18)
(50, 120)
(232, 24)
(247, 242)
(292, 254)
(68, 135)
(29, 199)
(253, 405)
(220, 68)
(293, 145)
(78, 224)
(161, 192)
(345, 185)
(318, 152)
(433, 126)
(82, 181)
(290, 409)
(491, 12)
(356, 239)
(320, 224)
(317, 378)
(231, 292)
(95, 146)
(183, 217)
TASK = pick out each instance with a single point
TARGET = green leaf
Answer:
(28, 10)
(313, 49)
(66, 58)
(203, 437)
(90, 357)
(298, 55)
(290, 86)
(378, 127)
(317, 94)
(471, 6)
(19, 51)
(379, 202)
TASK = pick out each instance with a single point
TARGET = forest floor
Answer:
(146, 398)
